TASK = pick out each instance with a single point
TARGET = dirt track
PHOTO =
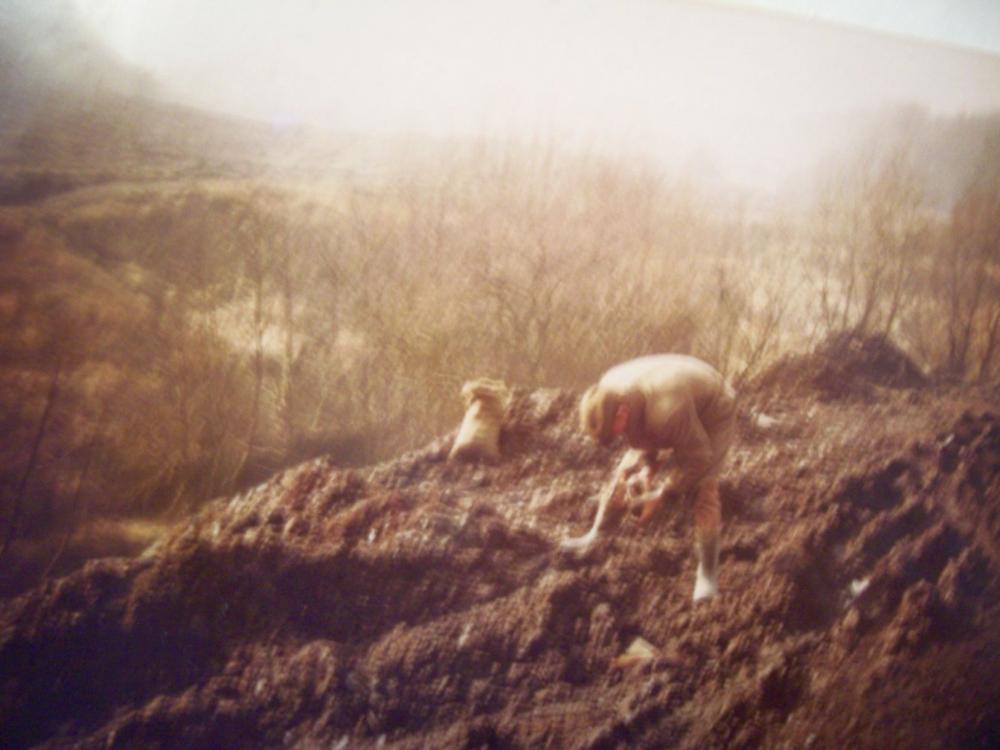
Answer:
(421, 603)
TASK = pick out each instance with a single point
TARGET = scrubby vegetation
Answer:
(175, 337)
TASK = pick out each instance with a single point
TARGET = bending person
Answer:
(668, 402)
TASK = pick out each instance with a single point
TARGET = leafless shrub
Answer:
(871, 237)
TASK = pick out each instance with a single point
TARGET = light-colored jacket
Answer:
(689, 408)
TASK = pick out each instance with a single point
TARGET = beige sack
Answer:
(479, 436)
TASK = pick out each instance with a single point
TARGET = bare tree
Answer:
(871, 238)
(969, 265)
(17, 503)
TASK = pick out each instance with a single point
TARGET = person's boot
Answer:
(706, 583)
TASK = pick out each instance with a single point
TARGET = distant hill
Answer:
(46, 50)
(69, 103)
(74, 113)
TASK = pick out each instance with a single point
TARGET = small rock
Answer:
(639, 652)
(297, 526)
(763, 422)
(858, 586)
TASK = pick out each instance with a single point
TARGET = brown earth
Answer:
(421, 603)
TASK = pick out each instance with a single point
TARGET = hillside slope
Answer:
(420, 603)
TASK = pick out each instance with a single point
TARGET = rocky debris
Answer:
(424, 603)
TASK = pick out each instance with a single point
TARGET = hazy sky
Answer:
(969, 23)
(656, 74)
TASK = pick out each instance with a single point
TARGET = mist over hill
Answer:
(752, 103)
(47, 52)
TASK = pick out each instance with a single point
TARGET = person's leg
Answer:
(708, 509)
(708, 525)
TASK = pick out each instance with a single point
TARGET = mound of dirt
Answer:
(423, 603)
(845, 365)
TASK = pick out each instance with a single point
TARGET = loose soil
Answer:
(424, 603)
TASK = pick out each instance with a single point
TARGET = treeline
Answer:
(886, 263)
(174, 342)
